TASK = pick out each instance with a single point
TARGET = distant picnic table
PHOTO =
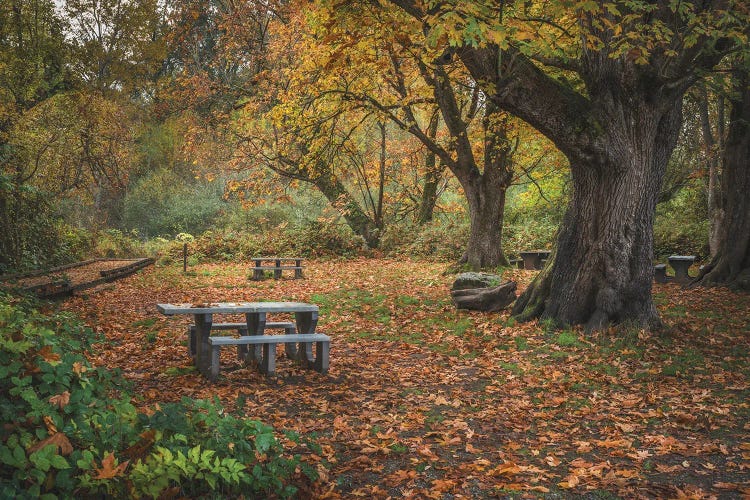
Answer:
(276, 264)
(533, 259)
(206, 347)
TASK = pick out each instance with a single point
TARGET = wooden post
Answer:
(184, 258)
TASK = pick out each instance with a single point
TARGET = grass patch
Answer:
(512, 367)
(178, 371)
(144, 323)
(406, 300)
(399, 448)
(567, 338)
(522, 343)
(415, 338)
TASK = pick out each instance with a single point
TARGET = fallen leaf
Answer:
(59, 440)
(60, 400)
(109, 468)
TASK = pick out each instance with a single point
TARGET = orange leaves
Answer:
(48, 355)
(142, 446)
(110, 468)
(411, 409)
(58, 440)
(60, 400)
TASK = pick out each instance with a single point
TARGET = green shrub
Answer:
(681, 226)
(71, 429)
(444, 238)
(114, 243)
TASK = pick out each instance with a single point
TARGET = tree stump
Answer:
(485, 299)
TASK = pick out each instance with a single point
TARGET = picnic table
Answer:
(681, 264)
(532, 259)
(263, 350)
(276, 266)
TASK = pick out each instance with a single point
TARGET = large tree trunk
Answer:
(601, 270)
(731, 263)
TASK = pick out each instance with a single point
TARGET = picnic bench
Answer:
(660, 273)
(298, 345)
(534, 259)
(277, 266)
(681, 264)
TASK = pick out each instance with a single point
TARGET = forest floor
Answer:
(425, 401)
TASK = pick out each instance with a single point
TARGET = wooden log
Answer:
(485, 299)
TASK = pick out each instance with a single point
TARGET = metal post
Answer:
(184, 258)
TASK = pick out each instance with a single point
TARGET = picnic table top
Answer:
(259, 259)
(531, 252)
(681, 257)
(235, 307)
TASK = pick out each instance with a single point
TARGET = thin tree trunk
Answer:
(432, 176)
(379, 221)
(347, 206)
(712, 152)
(731, 264)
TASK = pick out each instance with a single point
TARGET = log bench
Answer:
(241, 329)
(267, 363)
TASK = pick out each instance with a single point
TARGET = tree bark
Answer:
(486, 208)
(601, 270)
(731, 264)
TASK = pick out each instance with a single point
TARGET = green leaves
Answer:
(66, 432)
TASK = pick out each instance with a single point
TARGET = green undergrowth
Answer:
(72, 429)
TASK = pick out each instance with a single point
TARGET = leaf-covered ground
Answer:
(425, 401)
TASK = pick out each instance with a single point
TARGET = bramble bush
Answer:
(70, 429)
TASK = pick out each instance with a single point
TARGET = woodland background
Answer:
(376, 138)
(127, 125)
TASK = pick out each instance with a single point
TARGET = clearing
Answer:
(423, 400)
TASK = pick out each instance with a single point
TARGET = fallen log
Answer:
(485, 299)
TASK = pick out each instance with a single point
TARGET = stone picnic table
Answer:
(532, 259)
(681, 264)
(206, 347)
(277, 266)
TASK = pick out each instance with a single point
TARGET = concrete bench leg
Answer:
(268, 365)
(660, 273)
(321, 356)
(191, 341)
(214, 374)
(242, 348)
(305, 355)
(258, 274)
(290, 347)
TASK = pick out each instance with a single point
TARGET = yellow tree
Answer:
(307, 131)
(377, 63)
